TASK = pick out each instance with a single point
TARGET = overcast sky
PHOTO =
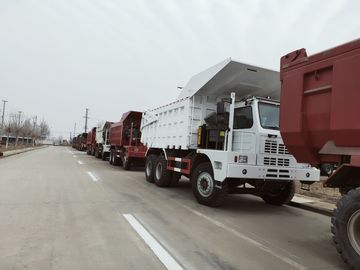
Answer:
(59, 57)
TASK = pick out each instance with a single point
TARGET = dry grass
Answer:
(317, 190)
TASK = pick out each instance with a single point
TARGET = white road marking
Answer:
(93, 177)
(80, 162)
(168, 261)
(248, 239)
(75, 156)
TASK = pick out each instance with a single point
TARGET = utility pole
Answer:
(20, 112)
(86, 118)
(3, 113)
(34, 131)
(74, 130)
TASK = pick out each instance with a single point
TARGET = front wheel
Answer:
(203, 186)
(346, 228)
(278, 193)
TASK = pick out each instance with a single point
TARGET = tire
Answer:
(116, 159)
(150, 168)
(203, 186)
(346, 228)
(125, 162)
(111, 157)
(279, 193)
(326, 169)
(162, 177)
(175, 177)
(103, 156)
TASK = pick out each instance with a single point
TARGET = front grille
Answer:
(272, 147)
(272, 161)
(282, 150)
(278, 174)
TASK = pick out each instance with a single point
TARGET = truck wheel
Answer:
(116, 159)
(346, 228)
(203, 186)
(326, 169)
(150, 168)
(125, 162)
(279, 193)
(162, 176)
(175, 177)
(111, 157)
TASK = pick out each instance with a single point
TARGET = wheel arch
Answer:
(346, 176)
(199, 158)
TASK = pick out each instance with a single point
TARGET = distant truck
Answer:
(91, 142)
(102, 145)
(79, 142)
(124, 139)
(223, 134)
(320, 125)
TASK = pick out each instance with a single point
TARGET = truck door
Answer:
(244, 138)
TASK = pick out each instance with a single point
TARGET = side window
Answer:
(243, 118)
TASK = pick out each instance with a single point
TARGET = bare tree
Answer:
(26, 130)
(44, 129)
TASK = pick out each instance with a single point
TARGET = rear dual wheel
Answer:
(125, 162)
(156, 171)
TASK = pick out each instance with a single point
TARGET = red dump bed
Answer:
(119, 132)
(91, 136)
(320, 103)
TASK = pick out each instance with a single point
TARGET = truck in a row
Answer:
(228, 133)
(320, 125)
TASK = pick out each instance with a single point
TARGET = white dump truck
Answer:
(223, 134)
(102, 148)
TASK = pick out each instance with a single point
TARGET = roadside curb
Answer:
(312, 208)
(20, 152)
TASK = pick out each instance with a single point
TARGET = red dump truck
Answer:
(91, 142)
(124, 139)
(79, 142)
(320, 125)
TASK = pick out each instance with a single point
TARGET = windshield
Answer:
(269, 115)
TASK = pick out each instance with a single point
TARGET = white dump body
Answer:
(175, 125)
(99, 134)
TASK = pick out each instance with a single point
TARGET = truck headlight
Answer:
(243, 159)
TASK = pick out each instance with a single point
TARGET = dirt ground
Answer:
(13, 147)
(319, 191)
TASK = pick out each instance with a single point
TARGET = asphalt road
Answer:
(62, 209)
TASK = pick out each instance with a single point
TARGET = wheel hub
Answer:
(353, 230)
(158, 171)
(205, 184)
(148, 168)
